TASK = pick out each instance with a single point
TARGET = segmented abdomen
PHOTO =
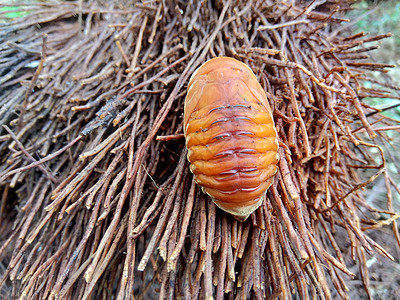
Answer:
(230, 135)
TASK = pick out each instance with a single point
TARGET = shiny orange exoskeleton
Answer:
(230, 135)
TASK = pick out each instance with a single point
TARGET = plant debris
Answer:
(95, 206)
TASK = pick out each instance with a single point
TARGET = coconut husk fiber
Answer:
(97, 198)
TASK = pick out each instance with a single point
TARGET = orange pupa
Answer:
(230, 135)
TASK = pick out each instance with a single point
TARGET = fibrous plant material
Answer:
(94, 206)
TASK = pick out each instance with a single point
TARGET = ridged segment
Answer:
(230, 135)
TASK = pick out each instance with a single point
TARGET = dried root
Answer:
(94, 206)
